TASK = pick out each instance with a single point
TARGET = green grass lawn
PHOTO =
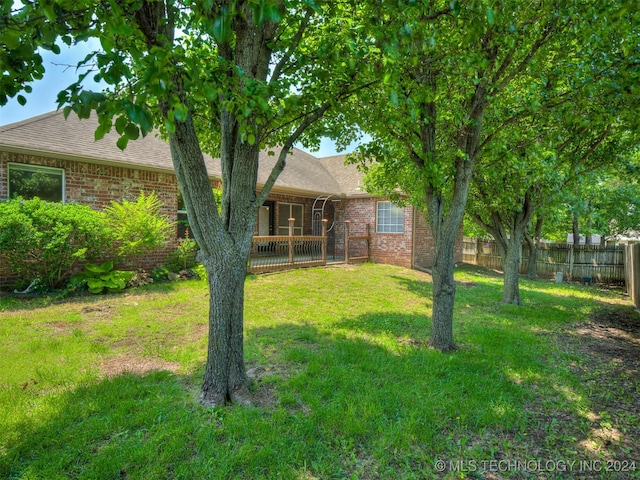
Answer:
(106, 387)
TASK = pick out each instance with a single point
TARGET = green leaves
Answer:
(45, 240)
(265, 11)
(139, 227)
(101, 278)
(11, 38)
(140, 116)
(122, 142)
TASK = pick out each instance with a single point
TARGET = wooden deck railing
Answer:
(356, 247)
(273, 253)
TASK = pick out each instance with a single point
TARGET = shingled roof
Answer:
(51, 136)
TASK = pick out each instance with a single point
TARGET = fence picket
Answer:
(604, 264)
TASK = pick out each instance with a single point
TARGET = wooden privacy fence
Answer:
(632, 272)
(604, 264)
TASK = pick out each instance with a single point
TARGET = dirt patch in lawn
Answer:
(610, 344)
(119, 364)
(613, 335)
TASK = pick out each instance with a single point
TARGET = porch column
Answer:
(346, 240)
(324, 240)
(368, 243)
(291, 221)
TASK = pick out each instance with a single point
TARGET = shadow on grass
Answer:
(354, 399)
(363, 397)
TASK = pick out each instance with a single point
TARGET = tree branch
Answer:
(288, 144)
(277, 70)
(546, 34)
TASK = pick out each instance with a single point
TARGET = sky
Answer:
(60, 73)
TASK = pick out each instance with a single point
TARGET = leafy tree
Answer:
(606, 199)
(616, 206)
(449, 70)
(531, 161)
(230, 77)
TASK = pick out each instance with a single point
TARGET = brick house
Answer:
(82, 170)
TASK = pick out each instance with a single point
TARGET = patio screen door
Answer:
(290, 210)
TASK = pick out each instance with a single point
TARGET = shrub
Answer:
(138, 227)
(183, 257)
(45, 240)
(103, 277)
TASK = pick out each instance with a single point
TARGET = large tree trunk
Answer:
(444, 291)
(225, 378)
(225, 247)
(511, 257)
(445, 227)
(576, 231)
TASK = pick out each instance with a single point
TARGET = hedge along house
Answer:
(76, 168)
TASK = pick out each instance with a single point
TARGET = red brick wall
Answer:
(307, 225)
(391, 248)
(413, 247)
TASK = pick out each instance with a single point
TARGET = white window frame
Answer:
(297, 230)
(389, 218)
(35, 168)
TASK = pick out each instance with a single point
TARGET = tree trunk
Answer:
(576, 232)
(533, 242)
(511, 266)
(532, 266)
(444, 291)
(445, 228)
(225, 254)
(225, 379)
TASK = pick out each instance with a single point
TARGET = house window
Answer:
(389, 218)
(29, 181)
(287, 211)
(183, 220)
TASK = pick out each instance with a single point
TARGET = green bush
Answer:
(45, 240)
(138, 227)
(184, 256)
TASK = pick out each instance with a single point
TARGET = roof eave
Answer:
(83, 159)
(297, 191)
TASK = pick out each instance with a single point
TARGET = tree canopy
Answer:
(455, 77)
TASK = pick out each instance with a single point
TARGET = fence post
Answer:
(291, 220)
(571, 263)
(346, 240)
(324, 240)
(368, 244)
